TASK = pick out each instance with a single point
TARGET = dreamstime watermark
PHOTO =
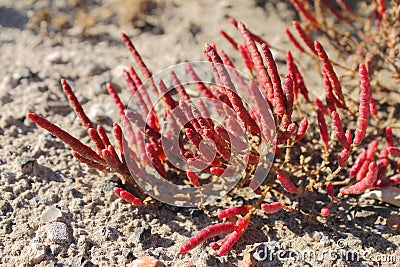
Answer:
(189, 94)
(273, 251)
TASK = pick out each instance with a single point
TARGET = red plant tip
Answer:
(304, 11)
(325, 211)
(117, 191)
(218, 171)
(208, 232)
(294, 41)
(302, 129)
(366, 183)
(338, 127)
(193, 178)
(287, 184)
(270, 208)
(330, 190)
(394, 151)
(320, 106)
(342, 157)
(365, 96)
(358, 163)
(128, 197)
(230, 212)
(329, 71)
(389, 137)
(231, 239)
(250, 158)
(323, 129)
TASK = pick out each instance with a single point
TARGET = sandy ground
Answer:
(80, 42)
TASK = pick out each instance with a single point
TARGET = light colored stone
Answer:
(51, 214)
(57, 232)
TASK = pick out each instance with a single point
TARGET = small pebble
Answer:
(51, 214)
(57, 232)
(54, 58)
(26, 164)
(146, 261)
(109, 233)
(97, 113)
(118, 71)
(38, 252)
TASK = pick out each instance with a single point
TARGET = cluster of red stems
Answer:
(292, 127)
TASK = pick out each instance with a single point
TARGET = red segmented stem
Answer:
(94, 135)
(329, 71)
(289, 94)
(349, 136)
(304, 12)
(117, 101)
(287, 184)
(383, 162)
(118, 136)
(270, 208)
(246, 57)
(372, 148)
(229, 39)
(279, 99)
(229, 137)
(363, 171)
(292, 71)
(394, 151)
(76, 105)
(365, 96)
(206, 233)
(284, 136)
(117, 191)
(103, 135)
(323, 129)
(230, 92)
(372, 106)
(389, 181)
(303, 35)
(232, 238)
(330, 190)
(330, 99)
(155, 160)
(358, 163)
(342, 157)
(178, 86)
(138, 82)
(200, 85)
(85, 121)
(230, 212)
(266, 121)
(302, 86)
(193, 178)
(137, 96)
(364, 184)
(142, 66)
(259, 68)
(338, 127)
(302, 129)
(320, 106)
(90, 163)
(389, 137)
(110, 159)
(128, 197)
(82, 149)
(255, 37)
(294, 41)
